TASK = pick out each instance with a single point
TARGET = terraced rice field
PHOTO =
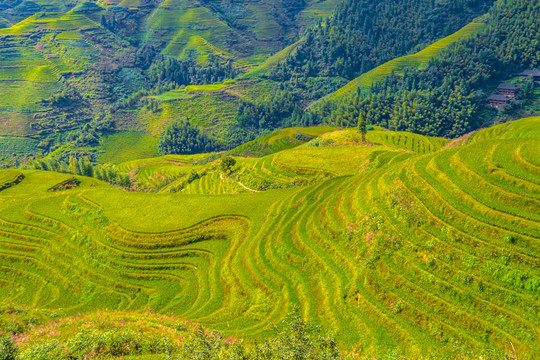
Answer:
(407, 141)
(210, 110)
(187, 27)
(34, 70)
(124, 146)
(428, 252)
(17, 145)
(279, 140)
(272, 61)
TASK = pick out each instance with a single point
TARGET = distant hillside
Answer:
(400, 64)
(93, 74)
(363, 34)
(444, 92)
(79, 62)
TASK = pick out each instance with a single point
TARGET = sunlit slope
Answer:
(524, 128)
(398, 65)
(167, 173)
(243, 29)
(434, 252)
(285, 158)
(272, 61)
(31, 72)
(185, 25)
(279, 140)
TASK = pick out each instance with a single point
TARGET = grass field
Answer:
(205, 106)
(124, 146)
(398, 248)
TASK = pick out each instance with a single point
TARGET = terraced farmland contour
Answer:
(428, 251)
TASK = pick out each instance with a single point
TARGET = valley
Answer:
(278, 179)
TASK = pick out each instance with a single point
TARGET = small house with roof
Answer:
(497, 100)
(534, 73)
(510, 90)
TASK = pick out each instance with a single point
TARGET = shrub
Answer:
(227, 163)
(299, 340)
(193, 176)
(95, 344)
(184, 138)
(511, 238)
(318, 142)
(8, 350)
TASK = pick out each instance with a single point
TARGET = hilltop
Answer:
(429, 245)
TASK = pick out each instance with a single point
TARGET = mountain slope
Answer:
(398, 65)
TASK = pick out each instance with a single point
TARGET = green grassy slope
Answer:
(397, 65)
(120, 147)
(244, 29)
(60, 44)
(279, 140)
(428, 252)
(187, 26)
(34, 68)
(166, 173)
(271, 61)
(18, 145)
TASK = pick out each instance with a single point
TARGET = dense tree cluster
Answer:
(363, 34)
(185, 138)
(166, 70)
(63, 98)
(82, 166)
(268, 113)
(448, 97)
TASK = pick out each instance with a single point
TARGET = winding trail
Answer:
(242, 185)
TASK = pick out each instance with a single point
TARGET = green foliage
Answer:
(87, 136)
(362, 34)
(511, 238)
(102, 122)
(404, 63)
(188, 72)
(227, 163)
(448, 97)
(184, 138)
(298, 339)
(82, 166)
(65, 98)
(8, 350)
(98, 344)
(193, 176)
(268, 113)
(362, 128)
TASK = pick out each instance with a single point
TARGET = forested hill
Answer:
(448, 96)
(363, 34)
(73, 74)
(357, 37)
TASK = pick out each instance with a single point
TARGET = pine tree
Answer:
(362, 127)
